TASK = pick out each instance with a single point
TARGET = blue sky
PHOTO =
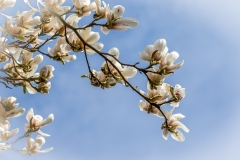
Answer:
(91, 123)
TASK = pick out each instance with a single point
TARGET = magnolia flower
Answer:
(166, 64)
(100, 79)
(101, 12)
(3, 50)
(4, 146)
(178, 94)
(155, 80)
(25, 19)
(36, 122)
(154, 53)
(83, 7)
(34, 146)
(46, 72)
(116, 22)
(15, 31)
(109, 70)
(60, 52)
(158, 96)
(55, 25)
(7, 3)
(4, 133)
(44, 87)
(9, 109)
(172, 126)
(89, 37)
(55, 5)
(29, 68)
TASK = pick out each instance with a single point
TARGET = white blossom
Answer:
(154, 53)
(60, 52)
(179, 93)
(116, 22)
(172, 126)
(36, 122)
(101, 12)
(5, 134)
(25, 19)
(166, 64)
(83, 7)
(157, 96)
(55, 5)
(89, 37)
(9, 109)
(34, 146)
(4, 146)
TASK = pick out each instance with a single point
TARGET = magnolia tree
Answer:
(30, 30)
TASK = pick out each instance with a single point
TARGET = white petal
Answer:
(129, 72)
(118, 11)
(128, 22)
(46, 121)
(29, 115)
(30, 89)
(115, 52)
(179, 137)
(43, 134)
(160, 44)
(105, 30)
(165, 134)
(93, 37)
(175, 66)
(144, 57)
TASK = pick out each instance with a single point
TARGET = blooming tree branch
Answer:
(55, 22)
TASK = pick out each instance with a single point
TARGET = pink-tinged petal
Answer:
(105, 30)
(176, 66)
(7, 3)
(118, 11)
(165, 134)
(180, 125)
(29, 115)
(12, 133)
(15, 112)
(179, 137)
(43, 134)
(46, 121)
(129, 22)
(144, 57)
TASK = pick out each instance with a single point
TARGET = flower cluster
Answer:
(9, 109)
(52, 21)
(161, 65)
